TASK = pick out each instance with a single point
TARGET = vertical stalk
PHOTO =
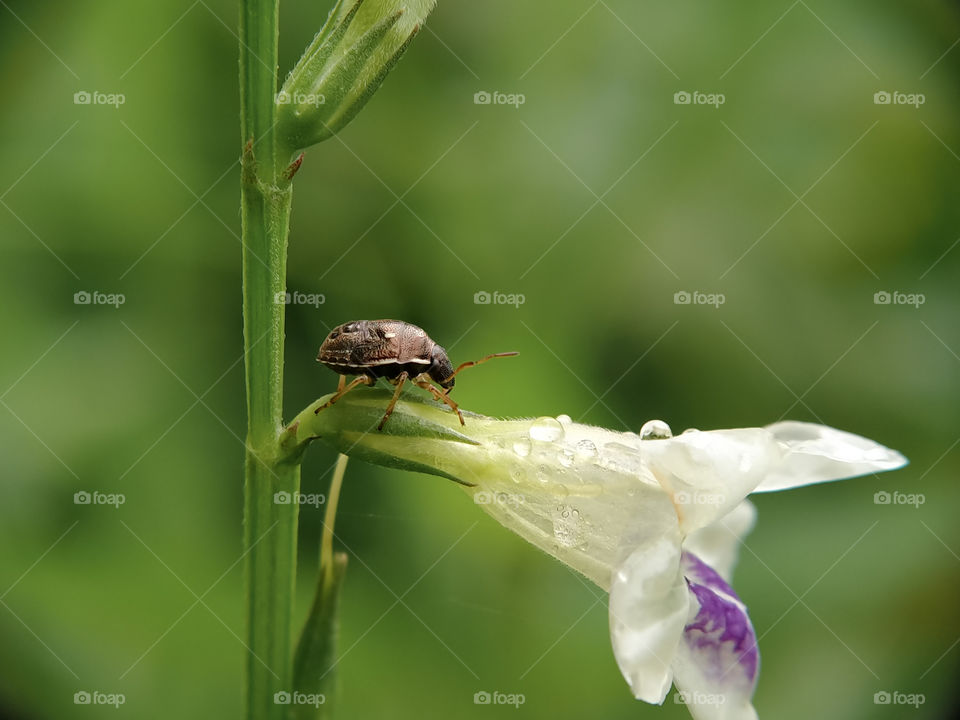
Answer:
(270, 528)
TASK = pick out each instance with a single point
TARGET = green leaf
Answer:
(314, 665)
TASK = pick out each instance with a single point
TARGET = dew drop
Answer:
(564, 420)
(566, 458)
(655, 430)
(568, 530)
(546, 429)
(522, 447)
(586, 449)
(689, 430)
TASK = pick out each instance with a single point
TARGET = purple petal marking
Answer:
(721, 637)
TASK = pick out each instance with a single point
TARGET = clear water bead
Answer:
(586, 449)
(522, 447)
(546, 429)
(655, 430)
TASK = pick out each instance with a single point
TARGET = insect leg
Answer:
(441, 396)
(341, 383)
(343, 390)
(401, 378)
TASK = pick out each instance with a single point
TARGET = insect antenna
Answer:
(471, 363)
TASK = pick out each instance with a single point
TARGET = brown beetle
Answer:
(394, 350)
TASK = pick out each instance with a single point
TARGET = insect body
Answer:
(393, 350)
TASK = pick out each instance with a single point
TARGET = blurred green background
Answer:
(597, 199)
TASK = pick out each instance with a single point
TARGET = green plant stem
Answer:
(270, 528)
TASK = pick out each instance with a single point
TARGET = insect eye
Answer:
(335, 333)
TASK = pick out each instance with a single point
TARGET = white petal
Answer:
(816, 453)
(716, 666)
(709, 473)
(717, 544)
(649, 605)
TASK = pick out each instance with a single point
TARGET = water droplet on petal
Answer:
(565, 420)
(546, 429)
(655, 430)
(566, 457)
(689, 430)
(586, 449)
(522, 447)
(568, 529)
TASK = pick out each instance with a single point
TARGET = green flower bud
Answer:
(344, 65)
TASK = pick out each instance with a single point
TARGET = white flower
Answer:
(657, 522)
(653, 519)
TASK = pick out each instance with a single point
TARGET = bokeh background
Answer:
(598, 199)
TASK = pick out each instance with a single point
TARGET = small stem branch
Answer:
(330, 515)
